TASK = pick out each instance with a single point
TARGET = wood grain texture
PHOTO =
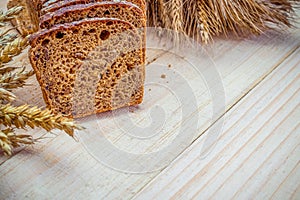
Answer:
(257, 153)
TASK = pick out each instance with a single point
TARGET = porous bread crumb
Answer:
(89, 66)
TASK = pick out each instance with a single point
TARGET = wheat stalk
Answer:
(161, 14)
(202, 17)
(24, 116)
(14, 80)
(9, 140)
(175, 18)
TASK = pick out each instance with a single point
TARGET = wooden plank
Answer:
(258, 131)
(43, 171)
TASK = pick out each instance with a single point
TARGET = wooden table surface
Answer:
(218, 122)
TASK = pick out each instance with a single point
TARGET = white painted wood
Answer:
(44, 170)
(259, 135)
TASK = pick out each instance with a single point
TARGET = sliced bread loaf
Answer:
(89, 66)
(124, 11)
(60, 4)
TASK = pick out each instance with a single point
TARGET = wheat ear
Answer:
(10, 140)
(24, 116)
(14, 80)
(12, 49)
(9, 14)
(6, 95)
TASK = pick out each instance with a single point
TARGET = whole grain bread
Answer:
(89, 66)
(26, 21)
(124, 11)
(60, 4)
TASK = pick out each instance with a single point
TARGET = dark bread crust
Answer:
(53, 7)
(124, 11)
(49, 82)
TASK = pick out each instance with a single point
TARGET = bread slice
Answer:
(89, 66)
(124, 11)
(26, 21)
(61, 4)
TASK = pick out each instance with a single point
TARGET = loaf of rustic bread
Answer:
(89, 66)
(88, 57)
(60, 4)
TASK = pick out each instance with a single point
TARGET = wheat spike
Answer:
(15, 80)
(9, 140)
(6, 95)
(12, 49)
(9, 14)
(162, 14)
(24, 115)
(6, 39)
(176, 18)
(202, 17)
(176, 14)
(5, 143)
